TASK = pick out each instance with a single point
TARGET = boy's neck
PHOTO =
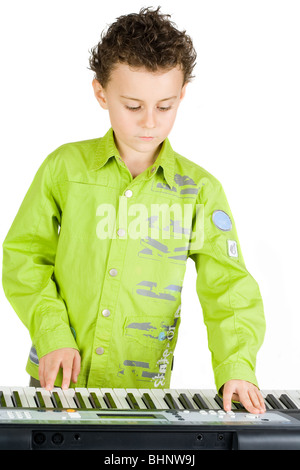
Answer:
(137, 161)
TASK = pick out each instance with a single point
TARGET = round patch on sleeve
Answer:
(222, 221)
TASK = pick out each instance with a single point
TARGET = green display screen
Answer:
(128, 417)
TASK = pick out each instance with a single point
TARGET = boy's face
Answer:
(142, 107)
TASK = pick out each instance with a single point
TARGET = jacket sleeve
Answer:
(28, 266)
(229, 296)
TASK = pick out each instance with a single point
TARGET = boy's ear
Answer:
(183, 90)
(99, 93)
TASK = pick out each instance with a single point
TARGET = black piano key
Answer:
(273, 402)
(53, 400)
(57, 400)
(14, 398)
(109, 400)
(79, 400)
(288, 402)
(171, 402)
(17, 400)
(94, 400)
(2, 400)
(185, 401)
(219, 400)
(76, 401)
(148, 401)
(200, 402)
(238, 405)
(39, 400)
(132, 401)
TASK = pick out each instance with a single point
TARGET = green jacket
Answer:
(94, 261)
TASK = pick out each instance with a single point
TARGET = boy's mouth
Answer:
(146, 138)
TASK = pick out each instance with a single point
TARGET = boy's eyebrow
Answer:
(137, 99)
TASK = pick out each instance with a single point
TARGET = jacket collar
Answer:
(107, 149)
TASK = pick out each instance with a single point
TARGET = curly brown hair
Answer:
(145, 39)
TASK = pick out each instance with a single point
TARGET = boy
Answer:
(98, 289)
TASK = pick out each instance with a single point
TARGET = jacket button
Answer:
(106, 312)
(100, 351)
(128, 193)
(113, 272)
(121, 232)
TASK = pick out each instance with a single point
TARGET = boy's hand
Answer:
(244, 392)
(66, 358)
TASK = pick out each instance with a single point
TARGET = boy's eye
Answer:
(133, 108)
(166, 108)
(136, 108)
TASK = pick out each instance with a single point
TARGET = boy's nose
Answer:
(148, 120)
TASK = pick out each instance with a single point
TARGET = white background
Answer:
(239, 120)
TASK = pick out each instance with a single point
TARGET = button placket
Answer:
(108, 304)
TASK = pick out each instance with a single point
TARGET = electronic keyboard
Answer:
(118, 419)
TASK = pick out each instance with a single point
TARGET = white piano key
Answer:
(69, 397)
(30, 393)
(174, 395)
(113, 395)
(7, 396)
(137, 395)
(121, 393)
(159, 394)
(46, 397)
(22, 396)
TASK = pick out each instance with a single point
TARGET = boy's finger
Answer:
(50, 376)
(257, 400)
(41, 373)
(262, 401)
(227, 397)
(247, 402)
(76, 367)
(67, 372)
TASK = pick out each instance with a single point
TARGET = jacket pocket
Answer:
(152, 332)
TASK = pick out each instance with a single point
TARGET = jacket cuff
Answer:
(233, 371)
(54, 339)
